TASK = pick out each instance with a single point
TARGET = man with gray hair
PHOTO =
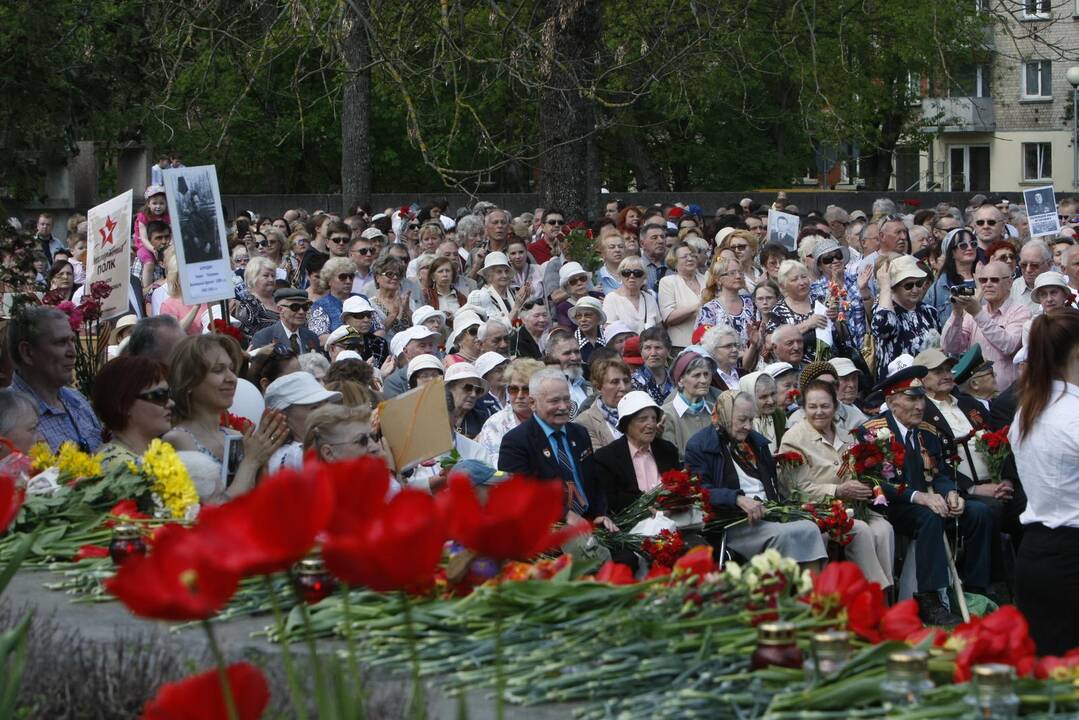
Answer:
(550, 447)
(494, 336)
(155, 337)
(883, 206)
(1034, 259)
(496, 228)
(788, 345)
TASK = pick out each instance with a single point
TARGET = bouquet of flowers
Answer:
(835, 522)
(682, 493)
(996, 447)
(876, 460)
(91, 336)
(768, 578)
(664, 549)
(579, 246)
(788, 464)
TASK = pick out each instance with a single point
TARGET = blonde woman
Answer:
(680, 294)
(743, 244)
(632, 304)
(192, 317)
(725, 301)
(796, 307)
(254, 306)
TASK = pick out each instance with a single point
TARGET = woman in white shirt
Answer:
(631, 303)
(1046, 448)
(680, 295)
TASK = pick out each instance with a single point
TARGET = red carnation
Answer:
(615, 573)
(91, 551)
(201, 696)
(10, 501)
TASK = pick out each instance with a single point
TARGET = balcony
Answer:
(958, 114)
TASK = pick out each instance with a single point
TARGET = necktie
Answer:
(294, 341)
(576, 493)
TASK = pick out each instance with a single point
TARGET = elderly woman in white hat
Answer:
(357, 313)
(632, 465)
(588, 318)
(495, 298)
(1051, 292)
(423, 370)
(491, 366)
(296, 395)
(463, 343)
(577, 284)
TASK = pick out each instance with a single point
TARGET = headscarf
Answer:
(723, 413)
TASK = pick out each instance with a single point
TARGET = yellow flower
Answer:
(71, 461)
(170, 479)
(42, 456)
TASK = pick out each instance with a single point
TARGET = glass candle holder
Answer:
(312, 581)
(126, 542)
(991, 693)
(776, 646)
(908, 678)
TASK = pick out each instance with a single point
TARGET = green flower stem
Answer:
(309, 638)
(500, 668)
(222, 672)
(286, 653)
(350, 644)
(419, 699)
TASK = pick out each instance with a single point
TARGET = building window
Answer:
(1038, 79)
(1037, 161)
(971, 81)
(1037, 8)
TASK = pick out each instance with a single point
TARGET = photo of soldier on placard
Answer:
(198, 218)
(783, 229)
(1042, 215)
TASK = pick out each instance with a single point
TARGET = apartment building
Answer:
(1006, 124)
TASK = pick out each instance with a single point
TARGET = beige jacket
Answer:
(816, 478)
(592, 420)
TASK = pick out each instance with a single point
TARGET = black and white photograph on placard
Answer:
(783, 229)
(1041, 205)
(198, 233)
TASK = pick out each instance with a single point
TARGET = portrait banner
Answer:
(783, 229)
(198, 234)
(108, 251)
(1041, 205)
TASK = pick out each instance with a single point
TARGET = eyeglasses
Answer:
(985, 221)
(160, 397)
(1030, 264)
(913, 284)
(262, 243)
(990, 279)
(740, 247)
(371, 438)
(965, 245)
(340, 239)
(1005, 257)
(558, 223)
(413, 226)
(346, 277)
(298, 307)
(578, 279)
(364, 251)
(391, 275)
(473, 389)
(633, 273)
(829, 259)
(517, 390)
(531, 304)
(364, 315)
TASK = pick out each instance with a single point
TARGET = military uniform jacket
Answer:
(915, 470)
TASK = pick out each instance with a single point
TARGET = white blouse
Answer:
(675, 294)
(1048, 460)
(644, 315)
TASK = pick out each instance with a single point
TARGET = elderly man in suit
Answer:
(291, 329)
(550, 447)
(927, 496)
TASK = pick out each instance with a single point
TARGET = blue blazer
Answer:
(525, 450)
(708, 455)
(276, 334)
(914, 470)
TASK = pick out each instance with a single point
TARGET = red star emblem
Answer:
(106, 232)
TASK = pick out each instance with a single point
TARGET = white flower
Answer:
(805, 582)
(760, 563)
(753, 581)
(883, 434)
(733, 570)
(773, 557)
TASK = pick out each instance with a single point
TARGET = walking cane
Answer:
(957, 583)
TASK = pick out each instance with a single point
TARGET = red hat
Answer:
(631, 351)
(675, 213)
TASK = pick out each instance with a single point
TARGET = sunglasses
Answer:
(364, 251)
(364, 315)
(558, 223)
(517, 390)
(346, 277)
(829, 259)
(990, 279)
(531, 304)
(578, 279)
(262, 243)
(159, 397)
(392, 275)
(981, 223)
(413, 226)
(371, 438)
(913, 284)
(965, 245)
(340, 240)
(1006, 257)
(474, 389)
(633, 273)
(739, 248)
(1030, 264)
(298, 306)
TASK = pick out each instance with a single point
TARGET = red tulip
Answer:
(1058, 668)
(1000, 637)
(179, 580)
(124, 510)
(697, 562)
(901, 622)
(396, 548)
(201, 696)
(865, 611)
(10, 501)
(270, 528)
(615, 573)
(91, 551)
(359, 490)
(837, 586)
(514, 524)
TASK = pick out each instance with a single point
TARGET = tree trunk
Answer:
(877, 165)
(567, 115)
(355, 109)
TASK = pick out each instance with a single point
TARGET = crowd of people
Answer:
(675, 341)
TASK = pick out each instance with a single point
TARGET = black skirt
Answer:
(1047, 585)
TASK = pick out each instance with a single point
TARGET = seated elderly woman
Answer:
(518, 406)
(688, 411)
(132, 398)
(202, 380)
(296, 395)
(633, 464)
(820, 440)
(770, 420)
(738, 470)
(337, 432)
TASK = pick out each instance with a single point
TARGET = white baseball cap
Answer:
(424, 313)
(349, 355)
(298, 388)
(902, 362)
(354, 305)
(778, 368)
(373, 232)
(632, 403)
(463, 371)
(569, 271)
(843, 366)
(423, 362)
(614, 329)
(416, 332)
(488, 361)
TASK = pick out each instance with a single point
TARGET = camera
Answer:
(964, 289)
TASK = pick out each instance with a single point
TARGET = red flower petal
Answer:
(697, 561)
(91, 551)
(201, 696)
(615, 573)
(10, 501)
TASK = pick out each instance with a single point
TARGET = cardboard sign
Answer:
(416, 425)
(1041, 205)
(108, 253)
(783, 229)
(198, 234)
